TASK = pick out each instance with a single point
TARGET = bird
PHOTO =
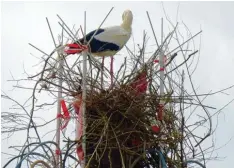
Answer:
(107, 41)
(104, 42)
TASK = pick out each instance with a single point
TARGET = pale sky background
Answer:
(24, 22)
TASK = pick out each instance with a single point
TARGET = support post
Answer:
(161, 64)
(85, 56)
(60, 72)
(182, 121)
(84, 53)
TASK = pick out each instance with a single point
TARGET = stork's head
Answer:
(127, 18)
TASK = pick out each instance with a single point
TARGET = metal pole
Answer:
(182, 120)
(60, 71)
(161, 63)
(85, 56)
(84, 106)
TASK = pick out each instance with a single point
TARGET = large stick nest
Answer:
(119, 125)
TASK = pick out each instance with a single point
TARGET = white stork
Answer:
(107, 41)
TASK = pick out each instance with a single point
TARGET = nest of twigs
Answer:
(121, 124)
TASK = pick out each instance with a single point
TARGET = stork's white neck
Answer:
(127, 23)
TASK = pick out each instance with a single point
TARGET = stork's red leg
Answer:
(111, 70)
(103, 59)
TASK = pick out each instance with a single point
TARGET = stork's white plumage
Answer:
(107, 41)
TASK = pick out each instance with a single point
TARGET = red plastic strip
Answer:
(65, 110)
(161, 69)
(160, 112)
(57, 152)
(80, 152)
(155, 128)
(59, 116)
(65, 115)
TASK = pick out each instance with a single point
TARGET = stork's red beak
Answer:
(74, 48)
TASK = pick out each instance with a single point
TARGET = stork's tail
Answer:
(74, 48)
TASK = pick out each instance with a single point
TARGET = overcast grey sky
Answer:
(24, 22)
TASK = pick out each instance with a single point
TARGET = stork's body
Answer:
(107, 41)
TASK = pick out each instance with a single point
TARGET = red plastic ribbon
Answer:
(80, 152)
(164, 59)
(161, 69)
(140, 83)
(160, 112)
(57, 152)
(59, 116)
(65, 115)
(75, 48)
(77, 106)
(155, 128)
(65, 110)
